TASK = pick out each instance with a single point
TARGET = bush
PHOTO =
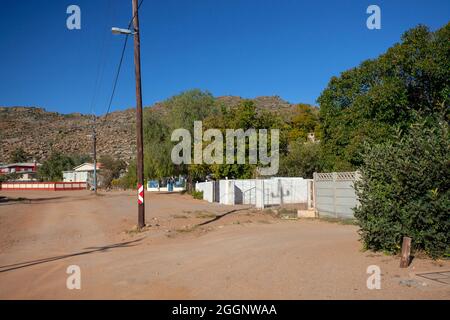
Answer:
(9, 177)
(404, 191)
(302, 160)
(111, 169)
(129, 179)
(117, 184)
(197, 194)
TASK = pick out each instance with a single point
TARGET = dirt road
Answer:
(190, 250)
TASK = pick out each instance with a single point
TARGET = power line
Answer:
(119, 66)
(101, 62)
(117, 77)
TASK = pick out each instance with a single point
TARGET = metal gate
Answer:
(216, 191)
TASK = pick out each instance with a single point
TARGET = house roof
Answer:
(19, 164)
(88, 167)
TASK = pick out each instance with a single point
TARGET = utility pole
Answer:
(94, 138)
(94, 152)
(139, 125)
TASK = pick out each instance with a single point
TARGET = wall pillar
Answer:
(259, 194)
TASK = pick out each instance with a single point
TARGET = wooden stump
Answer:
(406, 251)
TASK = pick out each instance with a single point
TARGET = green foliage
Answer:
(129, 180)
(19, 155)
(188, 107)
(79, 159)
(52, 169)
(302, 160)
(111, 169)
(9, 177)
(197, 194)
(244, 116)
(366, 103)
(404, 190)
(305, 120)
(178, 112)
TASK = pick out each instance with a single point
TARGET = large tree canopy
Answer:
(369, 102)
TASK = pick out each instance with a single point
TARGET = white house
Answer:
(81, 173)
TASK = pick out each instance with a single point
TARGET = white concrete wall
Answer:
(75, 176)
(227, 192)
(245, 191)
(258, 192)
(207, 188)
(335, 194)
(279, 191)
(68, 176)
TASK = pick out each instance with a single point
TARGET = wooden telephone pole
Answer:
(94, 138)
(94, 153)
(139, 126)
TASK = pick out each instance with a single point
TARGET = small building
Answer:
(81, 173)
(26, 171)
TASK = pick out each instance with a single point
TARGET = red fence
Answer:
(48, 186)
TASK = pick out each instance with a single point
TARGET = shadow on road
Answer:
(88, 250)
(4, 199)
(221, 216)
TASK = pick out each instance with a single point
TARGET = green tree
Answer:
(243, 116)
(367, 103)
(179, 111)
(187, 107)
(111, 169)
(9, 177)
(80, 159)
(129, 180)
(305, 120)
(52, 169)
(302, 160)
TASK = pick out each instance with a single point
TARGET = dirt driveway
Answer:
(190, 250)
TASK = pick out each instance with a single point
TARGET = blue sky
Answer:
(247, 48)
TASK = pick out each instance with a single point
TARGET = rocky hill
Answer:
(40, 132)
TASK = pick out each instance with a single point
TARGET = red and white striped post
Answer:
(140, 194)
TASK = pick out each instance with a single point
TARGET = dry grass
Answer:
(179, 216)
(205, 215)
(344, 221)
